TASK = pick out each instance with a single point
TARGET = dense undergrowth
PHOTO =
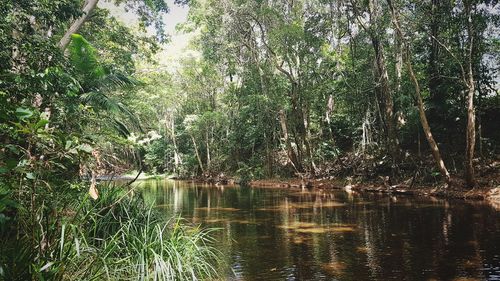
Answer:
(119, 236)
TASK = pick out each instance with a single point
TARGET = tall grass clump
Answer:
(120, 237)
(125, 239)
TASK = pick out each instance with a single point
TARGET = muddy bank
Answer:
(354, 173)
(453, 191)
(490, 194)
(125, 177)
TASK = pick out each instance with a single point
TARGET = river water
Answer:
(286, 234)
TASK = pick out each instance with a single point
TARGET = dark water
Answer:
(280, 234)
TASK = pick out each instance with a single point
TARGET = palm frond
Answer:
(83, 57)
(97, 82)
(113, 81)
(102, 102)
(121, 128)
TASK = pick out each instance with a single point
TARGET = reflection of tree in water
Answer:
(274, 234)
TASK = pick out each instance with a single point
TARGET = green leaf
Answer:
(23, 113)
(22, 163)
(68, 145)
(83, 56)
(85, 148)
(11, 163)
(41, 123)
(12, 148)
(59, 165)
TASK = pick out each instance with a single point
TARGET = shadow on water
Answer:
(280, 234)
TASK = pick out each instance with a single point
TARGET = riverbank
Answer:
(492, 195)
(418, 181)
(133, 176)
(488, 186)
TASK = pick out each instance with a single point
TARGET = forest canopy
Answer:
(271, 89)
(320, 88)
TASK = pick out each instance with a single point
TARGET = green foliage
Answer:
(84, 59)
(313, 63)
(117, 237)
(282, 88)
(137, 243)
(7, 206)
(64, 117)
(157, 156)
(118, 46)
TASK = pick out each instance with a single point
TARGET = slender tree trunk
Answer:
(471, 115)
(423, 118)
(207, 139)
(263, 87)
(75, 26)
(328, 112)
(197, 153)
(471, 135)
(383, 83)
(307, 141)
(177, 157)
(433, 65)
(297, 122)
(399, 62)
(301, 125)
(383, 80)
(292, 156)
(425, 125)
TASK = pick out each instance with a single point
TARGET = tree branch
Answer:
(77, 24)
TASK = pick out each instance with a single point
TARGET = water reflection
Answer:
(279, 234)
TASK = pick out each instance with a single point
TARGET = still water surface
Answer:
(284, 234)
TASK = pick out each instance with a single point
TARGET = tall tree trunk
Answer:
(200, 163)
(399, 62)
(297, 122)
(421, 111)
(75, 26)
(301, 125)
(471, 115)
(207, 139)
(436, 95)
(171, 130)
(292, 156)
(307, 142)
(267, 140)
(328, 112)
(471, 133)
(383, 82)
